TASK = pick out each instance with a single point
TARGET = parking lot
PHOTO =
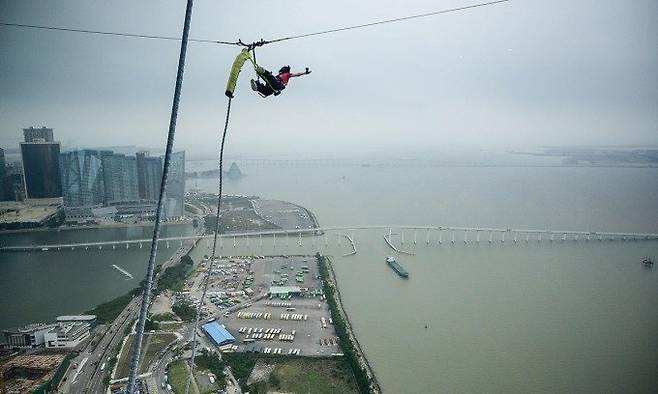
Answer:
(284, 214)
(294, 321)
(284, 324)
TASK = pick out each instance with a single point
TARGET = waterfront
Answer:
(549, 317)
(38, 286)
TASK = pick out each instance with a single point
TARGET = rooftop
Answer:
(66, 328)
(34, 211)
(30, 328)
(76, 318)
(285, 289)
(218, 333)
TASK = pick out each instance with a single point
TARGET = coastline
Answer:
(373, 384)
(88, 227)
(316, 223)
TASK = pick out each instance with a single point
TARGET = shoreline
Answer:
(88, 227)
(373, 384)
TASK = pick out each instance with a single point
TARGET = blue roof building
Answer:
(218, 333)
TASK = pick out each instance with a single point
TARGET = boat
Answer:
(648, 262)
(390, 260)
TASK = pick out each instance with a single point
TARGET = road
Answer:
(89, 377)
(93, 362)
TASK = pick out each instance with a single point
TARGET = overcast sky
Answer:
(520, 74)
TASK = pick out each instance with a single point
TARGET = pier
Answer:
(351, 240)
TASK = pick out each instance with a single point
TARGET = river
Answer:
(39, 286)
(536, 317)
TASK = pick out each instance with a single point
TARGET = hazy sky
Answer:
(524, 73)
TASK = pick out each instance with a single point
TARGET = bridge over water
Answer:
(414, 234)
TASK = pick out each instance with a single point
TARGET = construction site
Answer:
(27, 373)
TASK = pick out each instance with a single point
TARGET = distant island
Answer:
(598, 156)
(233, 172)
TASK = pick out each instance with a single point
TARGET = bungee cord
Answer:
(206, 280)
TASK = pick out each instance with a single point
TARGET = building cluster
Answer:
(66, 333)
(94, 185)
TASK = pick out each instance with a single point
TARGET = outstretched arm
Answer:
(300, 74)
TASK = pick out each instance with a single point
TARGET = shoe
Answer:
(254, 85)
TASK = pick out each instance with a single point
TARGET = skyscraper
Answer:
(43, 134)
(175, 195)
(82, 178)
(13, 185)
(41, 169)
(120, 178)
(3, 174)
(149, 175)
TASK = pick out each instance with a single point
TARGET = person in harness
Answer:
(274, 84)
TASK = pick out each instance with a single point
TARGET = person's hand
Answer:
(307, 71)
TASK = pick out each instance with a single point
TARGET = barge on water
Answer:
(390, 260)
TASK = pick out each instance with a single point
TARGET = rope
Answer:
(262, 42)
(253, 55)
(137, 343)
(376, 23)
(206, 280)
(118, 34)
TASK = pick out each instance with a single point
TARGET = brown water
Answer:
(537, 317)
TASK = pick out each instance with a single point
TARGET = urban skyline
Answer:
(90, 178)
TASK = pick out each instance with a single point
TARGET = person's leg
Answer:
(264, 89)
(273, 82)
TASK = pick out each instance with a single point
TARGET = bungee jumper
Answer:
(274, 84)
(271, 85)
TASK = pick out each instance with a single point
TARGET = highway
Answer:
(89, 379)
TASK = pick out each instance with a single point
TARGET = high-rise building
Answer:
(43, 134)
(120, 177)
(13, 182)
(3, 174)
(82, 178)
(41, 169)
(149, 175)
(175, 195)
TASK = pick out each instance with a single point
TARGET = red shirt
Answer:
(284, 77)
